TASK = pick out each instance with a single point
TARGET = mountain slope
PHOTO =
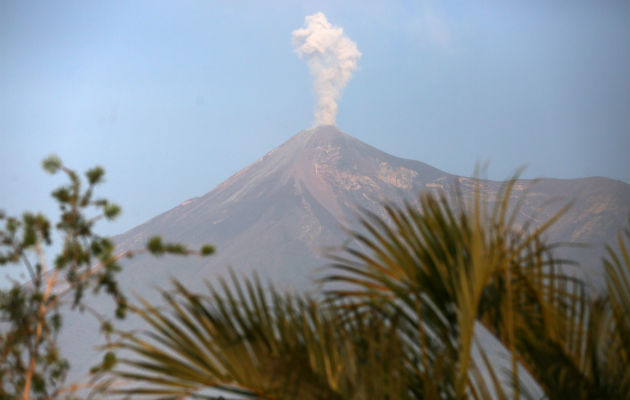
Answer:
(278, 215)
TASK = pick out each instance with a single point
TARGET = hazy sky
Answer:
(174, 97)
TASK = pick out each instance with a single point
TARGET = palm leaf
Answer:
(443, 265)
(245, 340)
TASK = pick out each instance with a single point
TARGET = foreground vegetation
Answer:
(402, 316)
(401, 319)
(31, 363)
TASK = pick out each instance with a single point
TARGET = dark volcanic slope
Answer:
(277, 215)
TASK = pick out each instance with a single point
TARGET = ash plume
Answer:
(331, 58)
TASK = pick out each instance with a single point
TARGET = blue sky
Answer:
(174, 97)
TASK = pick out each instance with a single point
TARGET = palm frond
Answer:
(246, 340)
(445, 264)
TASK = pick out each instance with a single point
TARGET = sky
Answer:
(172, 98)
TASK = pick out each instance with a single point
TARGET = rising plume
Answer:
(331, 58)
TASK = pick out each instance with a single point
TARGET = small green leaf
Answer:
(121, 310)
(207, 250)
(155, 246)
(111, 211)
(96, 247)
(109, 361)
(62, 195)
(52, 163)
(107, 327)
(175, 248)
(56, 322)
(95, 175)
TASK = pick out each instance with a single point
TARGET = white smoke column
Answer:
(331, 58)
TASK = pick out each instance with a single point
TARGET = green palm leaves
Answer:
(402, 317)
(248, 341)
(614, 345)
(443, 268)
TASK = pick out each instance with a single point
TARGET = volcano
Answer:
(279, 216)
